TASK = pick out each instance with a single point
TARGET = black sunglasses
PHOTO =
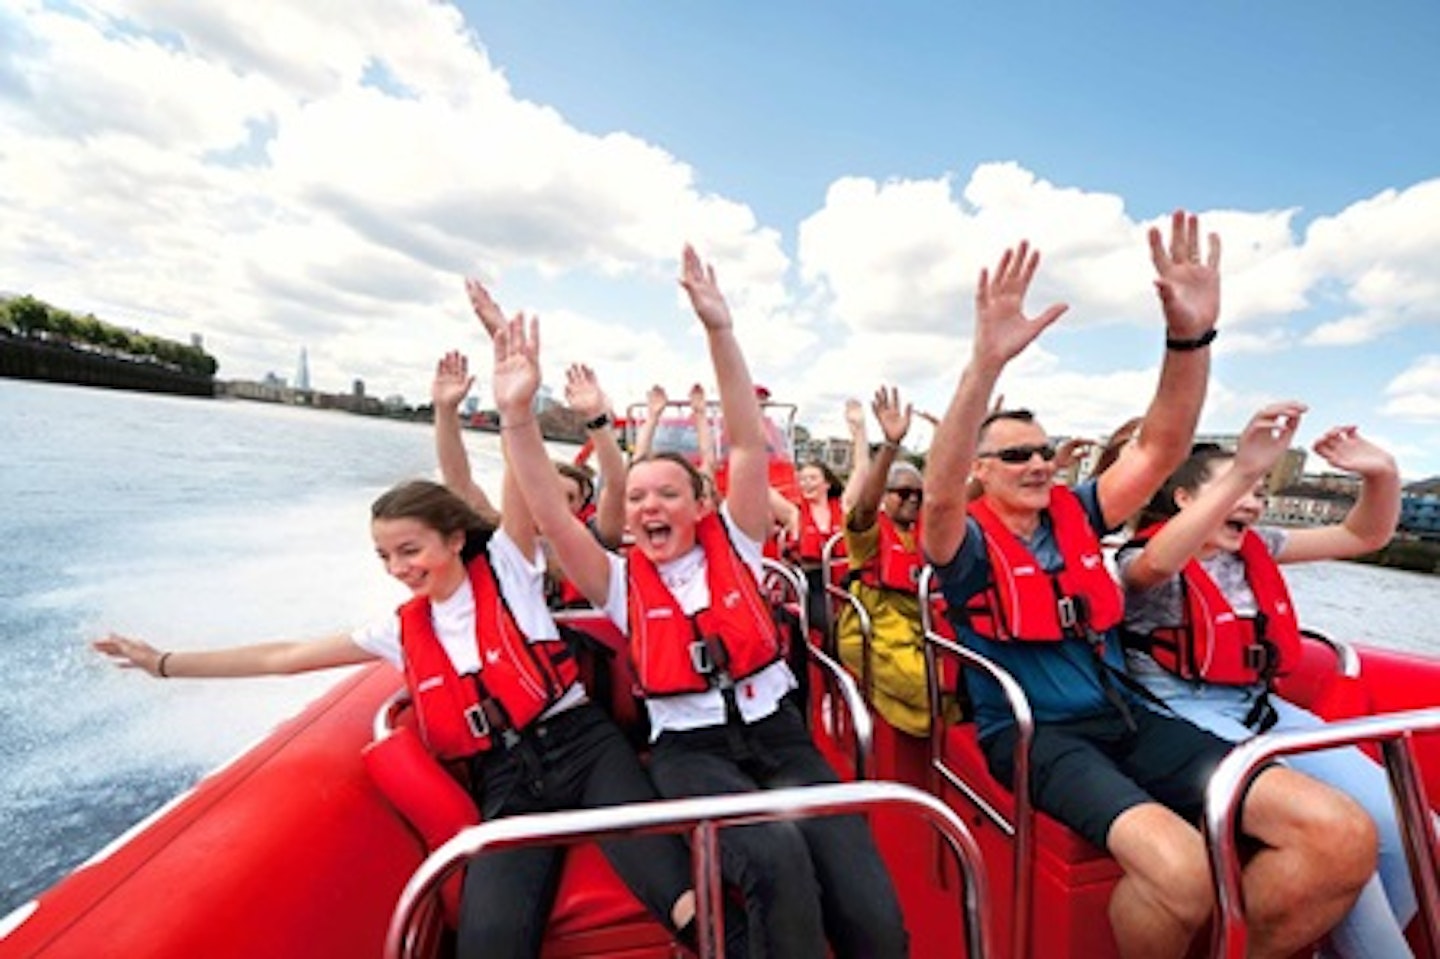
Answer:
(1022, 454)
(907, 493)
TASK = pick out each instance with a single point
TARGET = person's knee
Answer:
(1319, 822)
(773, 859)
(1165, 863)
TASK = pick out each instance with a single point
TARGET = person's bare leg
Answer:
(1165, 895)
(1320, 848)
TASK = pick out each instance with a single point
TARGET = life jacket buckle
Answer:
(1256, 657)
(700, 659)
(478, 722)
(1068, 612)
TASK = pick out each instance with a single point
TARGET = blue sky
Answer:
(277, 175)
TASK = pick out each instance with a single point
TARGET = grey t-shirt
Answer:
(1163, 603)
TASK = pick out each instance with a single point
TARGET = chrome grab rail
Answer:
(860, 720)
(867, 626)
(1395, 733)
(922, 587)
(1022, 829)
(385, 716)
(1347, 659)
(827, 567)
(795, 584)
(867, 636)
(703, 816)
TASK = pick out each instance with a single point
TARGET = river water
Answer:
(196, 523)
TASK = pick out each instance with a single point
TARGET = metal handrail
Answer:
(827, 565)
(799, 589)
(867, 636)
(1022, 829)
(1232, 778)
(703, 815)
(1347, 658)
(385, 717)
(860, 721)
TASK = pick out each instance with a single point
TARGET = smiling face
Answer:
(1021, 488)
(425, 560)
(813, 484)
(904, 491)
(661, 508)
(1245, 514)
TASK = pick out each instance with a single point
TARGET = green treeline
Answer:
(35, 319)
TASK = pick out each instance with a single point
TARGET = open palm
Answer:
(517, 364)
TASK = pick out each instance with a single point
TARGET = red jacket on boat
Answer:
(733, 638)
(518, 681)
(894, 565)
(1215, 644)
(1025, 602)
(811, 545)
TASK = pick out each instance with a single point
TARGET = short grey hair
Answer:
(903, 468)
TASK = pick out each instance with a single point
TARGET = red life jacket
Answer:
(733, 638)
(517, 682)
(1025, 602)
(1215, 644)
(811, 545)
(894, 565)
(566, 595)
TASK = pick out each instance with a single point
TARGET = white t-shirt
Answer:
(521, 582)
(758, 696)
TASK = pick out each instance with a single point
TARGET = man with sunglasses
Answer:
(885, 563)
(1021, 570)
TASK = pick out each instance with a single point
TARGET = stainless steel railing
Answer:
(703, 816)
(840, 681)
(1395, 733)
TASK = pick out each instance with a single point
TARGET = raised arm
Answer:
(1002, 331)
(1189, 293)
(516, 379)
(584, 395)
(747, 495)
(1265, 439)
(655, 403)
(859, 454)
(451, 385)
(278, 658)
(1371, 521)
(894, 421)
(704, 434)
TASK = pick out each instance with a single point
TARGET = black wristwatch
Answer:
(600, 422)
(1199, 343)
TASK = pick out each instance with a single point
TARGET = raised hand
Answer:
(1189, 290)
(1070, 450)
(698, 279)
(485, 307)
(129, 653)
(698, 404)
(894, 419)
(517, 365)
(656, 400)
(583, 393)
(1344, 448)
(854, 416)
(1267, 436)
(1002, 329)
(452, 380)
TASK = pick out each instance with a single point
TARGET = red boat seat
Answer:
(1317, 683)
(594, 913)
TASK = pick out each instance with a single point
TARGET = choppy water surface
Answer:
(197, 523)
